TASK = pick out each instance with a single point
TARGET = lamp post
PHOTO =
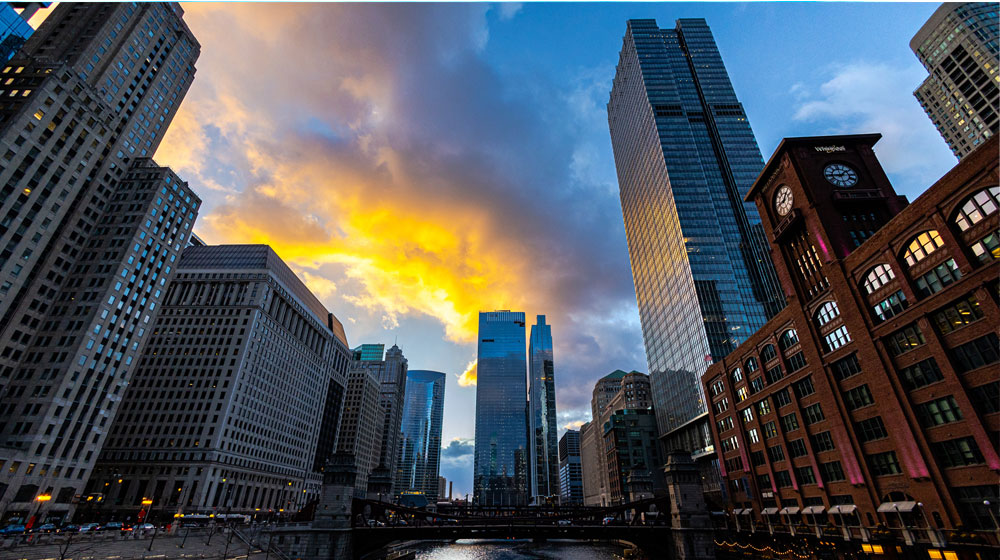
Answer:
(989, 509)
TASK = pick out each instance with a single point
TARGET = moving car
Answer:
(89, 527)
(12, 530)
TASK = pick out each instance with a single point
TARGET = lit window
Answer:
(921, 246)
(827, 312)
(878, 277)
(977, 207)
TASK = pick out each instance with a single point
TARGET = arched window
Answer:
(827, 312)
(878, 277)
(977, 207)
(788, 339)
(921, 246)
(737, 375)
(768, 353)
(751, 365)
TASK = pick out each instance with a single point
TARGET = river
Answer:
(516, 550)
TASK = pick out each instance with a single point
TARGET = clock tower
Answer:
(819, 198)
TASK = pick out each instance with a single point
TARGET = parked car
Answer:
(565, 522)
(69, 529)
(12, 530)
(144, 527)
(608, 521)
(113, 526)
(90, 527)
(46, 528)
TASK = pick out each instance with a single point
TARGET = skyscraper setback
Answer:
(501, 455)
(90, 229)
(686, 156)
(544, 469)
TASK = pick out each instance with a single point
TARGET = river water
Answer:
(516, 550)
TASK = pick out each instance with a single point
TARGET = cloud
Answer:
(403, 177)
(510, 9)
(469, 376)
(458, 447)
(863, 97)
(574, 425)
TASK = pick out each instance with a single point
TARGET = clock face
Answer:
(840, 175)
(783, 200)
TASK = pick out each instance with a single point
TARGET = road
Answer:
(112, 547)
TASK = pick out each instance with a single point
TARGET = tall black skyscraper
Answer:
(90, 229)
(686, 156)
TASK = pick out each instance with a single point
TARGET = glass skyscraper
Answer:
(14, 31)
(501, 458)
(544, 470)
(685, 156)
(420, 448)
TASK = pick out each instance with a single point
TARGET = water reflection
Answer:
(516, 550)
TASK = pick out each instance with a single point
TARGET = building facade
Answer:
(392, 392)
(500, 475)
(570, 469)
(959, 48)
(420, 447)
(592, 465)
(222, 412)
(542, 430)
(631, 453)
(686, 156)
(361, 423)
(14, 30)
(872, 399)
(90, 233)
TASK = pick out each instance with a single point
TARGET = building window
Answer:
(753, 435)
(921, 246)
(938, 277)
(796, 448)
(832, 472)
(770, 430)
(773, 374)
(717, 387)
(768, 353)
(741, 394)
(806, 475)
(920, 374)
(904, 340)
(837, 338)
(747, 415)
(988, 248)
(796, 362)
(890, 307)
(846, 367)
(822, 441)
(788, 339)
(737, 375)
(813, 413)
(939, 411)
(957, 315)
(986, 398)
(972, 505)
(783, 479)
(757, 458)
(976, 353)
(750, 365)
(977, 207)
(827, 312)
(959, 452)
(764, 481)
(721, 405)
(858, 397)
(804, 387)
(790, 422)
(877, 277)
(725, 424)
(763, 407)
(775, 453)
(870, 429)
(782, 398)
(883, 464)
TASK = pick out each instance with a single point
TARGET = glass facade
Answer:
(501, 458)
(959, 48)
(14, 31)
(369, 353)
(686, 156)
(542, 415)
(570, 469)
(420, 448)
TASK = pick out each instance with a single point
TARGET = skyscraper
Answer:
(958, 47)
(392, 391)
(241, 383)
(361, 423)
(14, 30)
(570, 469)
(90, 230)
(501, 455)
(685, 157)
(420, 447)
(544, 468)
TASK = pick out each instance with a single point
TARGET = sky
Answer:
(418, 163)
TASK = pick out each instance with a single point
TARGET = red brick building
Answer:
(872, 398)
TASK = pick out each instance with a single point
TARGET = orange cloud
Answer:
(469, 376)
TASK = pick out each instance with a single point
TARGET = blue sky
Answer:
(417, 163)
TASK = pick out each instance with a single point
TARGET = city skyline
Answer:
(491, 42)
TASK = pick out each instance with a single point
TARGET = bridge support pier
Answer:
(691, 527)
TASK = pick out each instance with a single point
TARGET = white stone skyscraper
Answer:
(90, 231)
